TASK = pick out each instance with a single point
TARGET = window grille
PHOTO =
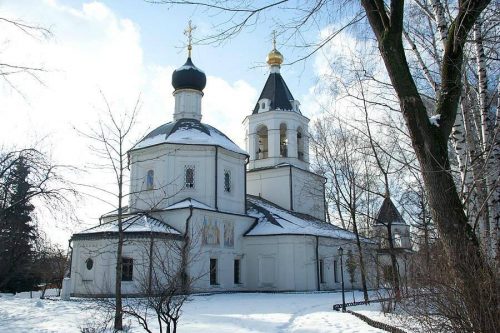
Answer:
(227, 180)
(189, 176)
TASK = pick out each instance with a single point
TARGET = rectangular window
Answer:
(189, 176)
(335, 271)
(237, 271)
(321, 272)
(127, 269)
(150, 180)
(227, 180)
(213, 271)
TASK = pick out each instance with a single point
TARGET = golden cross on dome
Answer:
(189, 33)
(274, 39)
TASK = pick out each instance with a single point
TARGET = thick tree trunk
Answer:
(470, 272)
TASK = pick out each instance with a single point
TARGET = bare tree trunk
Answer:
(394, 264)
(458, 140)
(482, 84)
(440, 19)
(360, 251)
(118, 277)
(430, 143)
(478, 214)
(185, 256)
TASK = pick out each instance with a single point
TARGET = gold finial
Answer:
(189, 33)
(274, 57)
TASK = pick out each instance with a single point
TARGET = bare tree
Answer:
(336, 158)
(111, 141)
(166, 286)
(10, 71)
(52, 265)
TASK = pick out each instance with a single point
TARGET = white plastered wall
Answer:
(168, 161)
(305, 196)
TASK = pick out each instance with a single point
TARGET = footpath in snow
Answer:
(221, 313)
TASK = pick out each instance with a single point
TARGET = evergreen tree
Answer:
(18, 232)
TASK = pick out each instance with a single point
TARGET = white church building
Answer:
(248, 219)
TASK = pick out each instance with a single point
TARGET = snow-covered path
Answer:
(231, 313)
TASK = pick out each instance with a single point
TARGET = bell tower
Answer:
(277, 132)
(277, 141)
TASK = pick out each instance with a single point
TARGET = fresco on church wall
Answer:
(211, 233)
(228, 234)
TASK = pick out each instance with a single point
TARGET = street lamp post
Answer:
(341, 252)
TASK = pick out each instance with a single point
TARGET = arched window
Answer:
(283, 141)
(227, 180)
(150, 180)
(300, 144)
(263, 105)
(262, 143)
(189, 176)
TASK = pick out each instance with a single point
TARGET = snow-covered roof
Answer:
(189, 202)
(133, 224)
(274, 220)
(190, 132)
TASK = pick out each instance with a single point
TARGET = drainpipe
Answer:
(70, 257)
(318, 286)
(247, 160)
(185, 253)
(216, 173)
(325, 206)
(291, 188)
(150, 279)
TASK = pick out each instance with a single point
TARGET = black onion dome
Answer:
(188, 76)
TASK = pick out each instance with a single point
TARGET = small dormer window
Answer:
(263, 105)
(227, 181)
(150, 180)
(189, 176)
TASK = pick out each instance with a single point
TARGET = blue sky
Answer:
(239, 58)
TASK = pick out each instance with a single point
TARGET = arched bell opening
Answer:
(283, 141)
(300, 144)
(262, 142)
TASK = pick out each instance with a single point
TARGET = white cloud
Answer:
(94, 49)
(334, 67)
(225, 106)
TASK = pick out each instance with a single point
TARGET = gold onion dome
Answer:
(274, 58)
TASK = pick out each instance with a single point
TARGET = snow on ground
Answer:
(373, 311)
(221, 313)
